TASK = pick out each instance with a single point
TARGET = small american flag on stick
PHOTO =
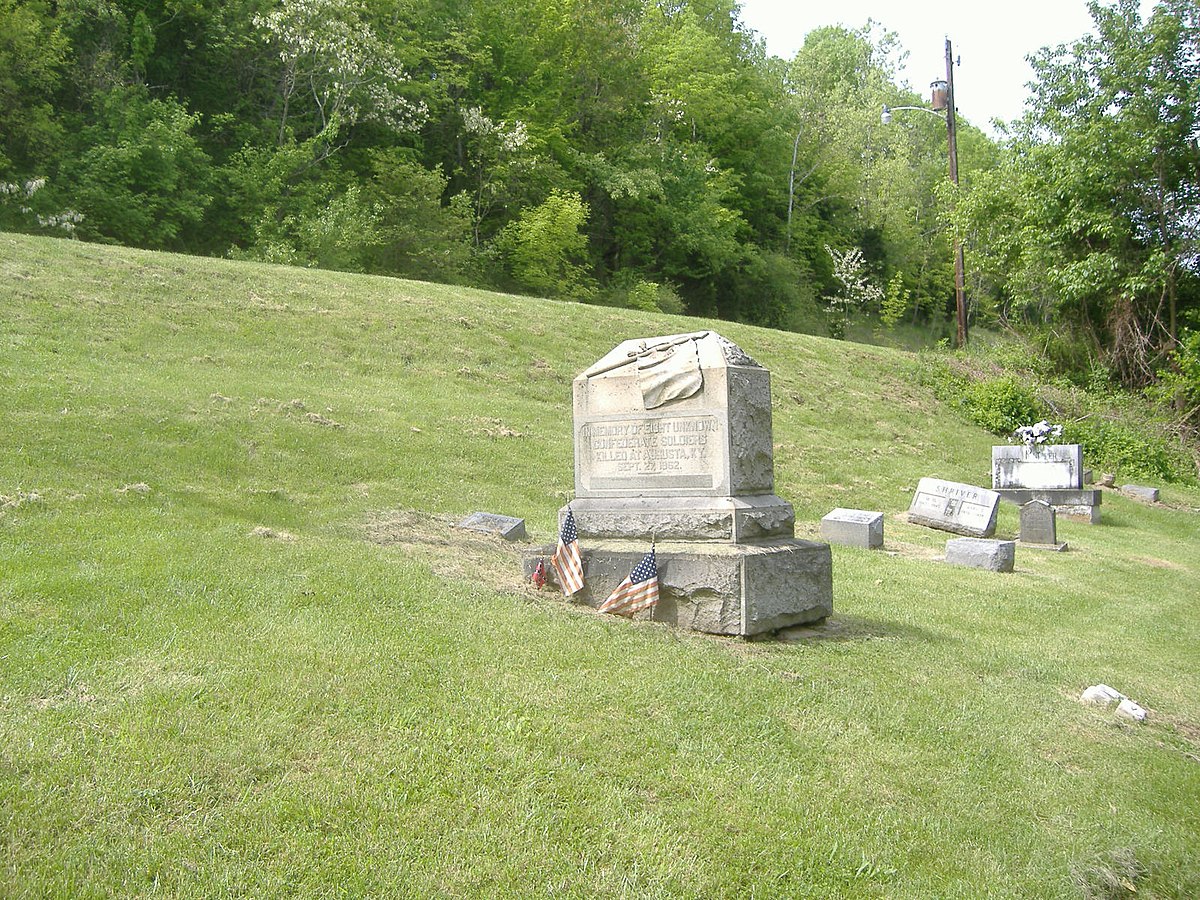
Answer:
(637, 592)
(566, 559)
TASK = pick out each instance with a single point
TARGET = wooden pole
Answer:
(960, 300)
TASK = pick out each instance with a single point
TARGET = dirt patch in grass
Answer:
(1155, 563)
(1108, 877)
(276, 534)
(74, 694)
(450, 552)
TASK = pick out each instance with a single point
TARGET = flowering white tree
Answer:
(857, 290)
(334, 59)
(19, 195)
(497, 151)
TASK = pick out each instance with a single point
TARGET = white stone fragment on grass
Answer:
(1130, 710)
(1101, 695)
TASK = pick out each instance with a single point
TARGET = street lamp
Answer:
(942, 100)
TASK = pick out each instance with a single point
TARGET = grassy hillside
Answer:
(244, 653)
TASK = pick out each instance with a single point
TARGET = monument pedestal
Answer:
(718, 588)
(736, 519)
(1078, 503)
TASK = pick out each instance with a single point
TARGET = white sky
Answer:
(992, 40)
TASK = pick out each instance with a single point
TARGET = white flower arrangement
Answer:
(1036, 435)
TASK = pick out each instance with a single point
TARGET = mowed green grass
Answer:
(243, 652)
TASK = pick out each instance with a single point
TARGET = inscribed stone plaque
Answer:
(957, 508)
(506, 526)
(660, 453)
(1051, 467)
(1038, 524)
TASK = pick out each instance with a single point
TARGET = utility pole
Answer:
(960, 300)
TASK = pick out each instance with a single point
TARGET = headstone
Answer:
(978, 553)
(957, 508)
(1040, 467)
(673, 444)
(1139, 492)
(1052, 473)
(1087, 477)
(506, 526)
(1108, 479)
(1038, 526)
(853, 528)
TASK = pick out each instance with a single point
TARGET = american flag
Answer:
(566, 560)
(637, 592)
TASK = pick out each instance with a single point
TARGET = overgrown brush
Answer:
(998, 389)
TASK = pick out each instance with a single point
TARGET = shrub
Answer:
(1001, 405)
(1130, 450)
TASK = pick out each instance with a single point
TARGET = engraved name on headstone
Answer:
(957, 508)
(661, 453)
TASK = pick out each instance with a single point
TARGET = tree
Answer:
(1099, 201)
(140, 177)
(544, 246)
(32, 56)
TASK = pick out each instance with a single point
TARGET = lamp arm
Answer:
(921, 108)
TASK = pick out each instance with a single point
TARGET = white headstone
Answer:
(1040, 467)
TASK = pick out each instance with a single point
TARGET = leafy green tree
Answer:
(545, 247)
(33, 52)
(418, 236)
(1094, 218)
(141, 177)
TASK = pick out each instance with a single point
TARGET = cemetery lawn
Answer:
(243, 652)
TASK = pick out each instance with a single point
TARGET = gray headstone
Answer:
(1038, 523)
(1087, 476)
(957, 508)
(1041, 467)
(853, 528)
(1139, 492)
(506, 526)
(995, 556)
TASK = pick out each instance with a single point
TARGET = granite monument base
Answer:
(1082, 504)
(730, 519)
(736, 589)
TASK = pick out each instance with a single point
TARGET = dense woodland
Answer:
(646, 153)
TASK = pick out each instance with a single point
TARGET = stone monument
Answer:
(1052, 473)
(673, 445)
